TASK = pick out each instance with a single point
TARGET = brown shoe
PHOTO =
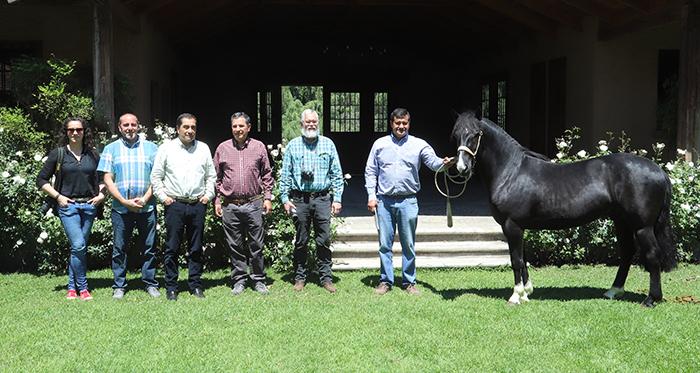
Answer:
(299, 285)
(412, 289)
(328, 285)
(382, 288)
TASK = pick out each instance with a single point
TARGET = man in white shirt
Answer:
(183, 179)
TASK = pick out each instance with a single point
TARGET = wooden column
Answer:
(689, 79)
(102, 73)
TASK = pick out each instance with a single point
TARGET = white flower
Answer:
(581, 153)
(2, 129)
(275, 153)
(272, 197)
(5, 174)
(142, 136)
(19, 179)
(602, 142)
(685, 206)
(563, 144)
(279, 146)
(560, 155)
(691, 178)
(37, 157)
(158, 131)
(673, 181)
(697, 215)
(553, 160)
(269, 146)
(642, 152)
(603, 148)
(680, 151)
(157, 227)
(669, 166)
(347, 176)
(691, 164)
(40, 240)
(49, 214)
(283, 150)
(44, 235)
(26, 212)
(19, 242)
(19, 153)
(113, 136)
(659, 145)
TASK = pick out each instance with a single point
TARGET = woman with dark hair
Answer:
(79, 193)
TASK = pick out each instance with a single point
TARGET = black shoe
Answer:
(171, 295)
(198, 292)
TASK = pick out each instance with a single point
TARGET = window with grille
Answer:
(485, 100)
(345, 112)
(381, 112)
(502, 93)
(265, 111)
(494, 105)
(5, 77)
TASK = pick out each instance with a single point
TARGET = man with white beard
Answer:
(311, 187)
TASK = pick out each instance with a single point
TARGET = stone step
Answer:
(430, 228)
(370, 249)
(461, 261)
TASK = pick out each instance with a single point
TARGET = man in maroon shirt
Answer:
(243, 193)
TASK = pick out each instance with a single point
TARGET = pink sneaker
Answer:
(85, 295)
(72, 294)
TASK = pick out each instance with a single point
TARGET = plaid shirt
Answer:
(242, 172)
(319, 157)
(130, 165)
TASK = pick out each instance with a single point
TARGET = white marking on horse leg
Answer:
(524, 298)
(614, 292)
(518, 292)
(528, 287)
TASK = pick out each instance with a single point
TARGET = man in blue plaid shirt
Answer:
(127, 164)
(311, 187)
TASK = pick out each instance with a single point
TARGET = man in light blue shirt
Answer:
(126, 164)
(391, 180)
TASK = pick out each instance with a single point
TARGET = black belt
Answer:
(300, 194)
(189, 201)
(240, 201)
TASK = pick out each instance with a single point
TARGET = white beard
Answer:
(309, 134)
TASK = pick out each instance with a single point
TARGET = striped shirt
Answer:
(180, 172)
(242, 172)
(320, 158)
(393, 164)
(130, 165)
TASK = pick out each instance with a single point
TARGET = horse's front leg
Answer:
(514, 235)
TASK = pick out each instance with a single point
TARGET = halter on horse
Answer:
(526, 191)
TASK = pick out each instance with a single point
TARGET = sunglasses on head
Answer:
(76, 130)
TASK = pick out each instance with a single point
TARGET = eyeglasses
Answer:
(76, 130)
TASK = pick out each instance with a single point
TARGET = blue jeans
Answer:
(402, 213)
(77, 221)
(123, 225)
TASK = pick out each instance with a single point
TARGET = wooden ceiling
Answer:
(473, 21)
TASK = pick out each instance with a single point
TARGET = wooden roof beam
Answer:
(555, 10)
(659, 17)
(520, 14)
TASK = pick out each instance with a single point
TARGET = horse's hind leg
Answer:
(514, 235)
(625, 238)
(649, 248)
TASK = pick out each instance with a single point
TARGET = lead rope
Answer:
(452, 178)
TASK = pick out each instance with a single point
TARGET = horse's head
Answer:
(467, 133)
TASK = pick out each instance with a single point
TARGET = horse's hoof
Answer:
(649, 302)
(528, 288)
(513, 304)
(614, 293)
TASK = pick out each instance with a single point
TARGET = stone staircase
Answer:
(472, 241)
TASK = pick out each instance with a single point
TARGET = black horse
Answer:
(527, 191)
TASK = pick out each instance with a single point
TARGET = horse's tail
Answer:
(664, 234)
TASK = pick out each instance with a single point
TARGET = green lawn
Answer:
(460, 322)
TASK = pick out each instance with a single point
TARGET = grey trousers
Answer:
(243, 229)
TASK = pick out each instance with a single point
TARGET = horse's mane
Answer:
(469, 120)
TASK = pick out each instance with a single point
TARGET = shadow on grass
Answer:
(563, 293)
(311, 278)
(135, 283)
